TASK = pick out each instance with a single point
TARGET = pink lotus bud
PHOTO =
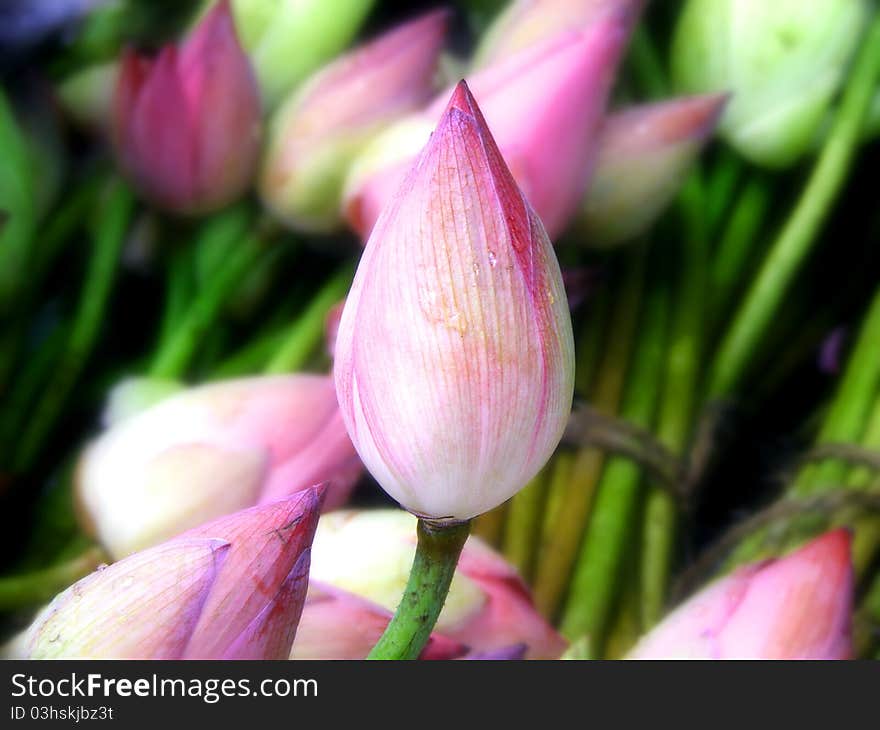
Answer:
(315, 135)
(454, 359)
(369, 553)
(525, 23)
(544, 107)
(254, 606)
(212, 450)
(644, 156)
(143, 607)
(233, 589)
(795, 607)
(336, 624)
(187, 124)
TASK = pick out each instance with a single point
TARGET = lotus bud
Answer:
(315, 135)
(454, 359)
(212, 450)
(187, 124)
(544, 107)
(255, 604)
(288, 39)
(644, 155)
(782, 62)
(525, 23)
(369, 553)
(233, 589)
(336, 624)
(795, 607)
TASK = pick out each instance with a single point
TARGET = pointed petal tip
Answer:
(834, 547)
(462, 99)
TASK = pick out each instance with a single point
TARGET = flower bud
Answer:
(369, 553)
(544, 107)
(233, 589)
(781, 61)
(288, 39)
(316, 134)
(526, 23)
(212, 450)
(795, 607)
(454, 359)
(254, 607)
(187, 124)
(336, 624)
(644, 156)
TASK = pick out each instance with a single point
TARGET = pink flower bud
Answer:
(317, 133)
(644, 156)
(233, 589)
(795, 607)
(254, 606)
(336, 624)
(454, 358)
(544, 107)
(212, 450)
(525, 23)
(187, 124)
(368, 553)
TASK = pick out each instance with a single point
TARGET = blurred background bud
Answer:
(86, 96)
(134, 395)
(288, 39)
(369, 554)
(315, 135)
(526, 23)
(211, 450)
(544, 106)
(187, 124)
(645, 153)
(782, 63)
(795, 607)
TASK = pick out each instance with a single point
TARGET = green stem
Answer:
(558, 556)
(305, 334)
(27, 386)
(178, 284)
(109, 236)
(802, 228)
(63, 222)
(738, 243)
(560, 470)
(437, 552)
(33, 589)
(720, 187)
(524, 519)
(678, 402)
(852, 404)
(868, 612)
(861, 476)
(598, 572)
(589, 343)
(175, 354)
